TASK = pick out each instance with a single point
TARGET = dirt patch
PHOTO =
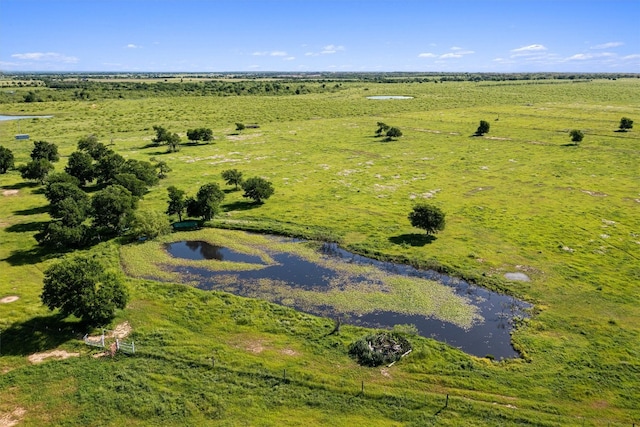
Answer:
(58, 354)
(10, 192)
(594, 193)
(121, 331)
(254, 347)
(385, 372)
(496, 138)
(10, 419)
(9, 299)
(289, 352)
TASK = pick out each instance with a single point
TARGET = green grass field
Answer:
(519, 199)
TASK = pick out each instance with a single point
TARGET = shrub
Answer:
(379, 349)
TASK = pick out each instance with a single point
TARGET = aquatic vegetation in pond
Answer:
(333, 282)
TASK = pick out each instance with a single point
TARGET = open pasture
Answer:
(519, 199)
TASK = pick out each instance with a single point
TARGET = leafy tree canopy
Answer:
(92, 147)
(576, 136)
(80, 165)
(232, 177)
(45, 150)
(149, 225)
(625, 124)
(200, 134)
(428, 217)
(36, 170)
(177, 202)
(382, 128)
(83, 288)
(137, 187)
(206, 203)
(394, 132)
(113, 207)
(6, 159)
(258, 189)
(483, 127)
(108, 166)
(68, 202)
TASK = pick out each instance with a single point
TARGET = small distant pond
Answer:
(5, 118)
(389, 97)
(489, 335)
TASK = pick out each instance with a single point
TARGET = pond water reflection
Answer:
(491, 335)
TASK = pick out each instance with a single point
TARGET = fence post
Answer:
(133, 347)
(117, 344)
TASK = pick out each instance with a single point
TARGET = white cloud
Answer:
(46, 57)
(289, 58)
(331, 48)
(450, 55)
(132, 46)
(272, 53)
(588, 56)
(456, 48)
(607, 45)
(530, 48)
(427, 55)
(634, 56)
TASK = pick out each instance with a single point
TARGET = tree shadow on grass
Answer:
(20, 186)
(27, 227)
(35, 255)
(241, 206)
(413, 239)
(39, 334)
(33, 211)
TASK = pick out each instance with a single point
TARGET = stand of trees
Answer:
(80, 220)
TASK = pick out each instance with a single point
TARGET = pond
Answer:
(489, 335)
(389, 97)
(5, 118)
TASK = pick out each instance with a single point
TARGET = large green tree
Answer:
(258, 189)
(177, 202)
(144, 171)
(382, 128)
(80, 165)
(206, 203)
(200, 134)
(625, 124)
(483, 128)
(90, 145)
(428, 217)
(68, 203)
(113, 207)
(36, 170)
(576, 136)
(232, 177)
(83, 288)
(108, 166)
(45, 150)
(393, 132)
(6, 159)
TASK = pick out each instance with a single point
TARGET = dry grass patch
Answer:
(10, 419)
(58, 354)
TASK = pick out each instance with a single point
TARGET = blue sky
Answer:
(313, 35)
